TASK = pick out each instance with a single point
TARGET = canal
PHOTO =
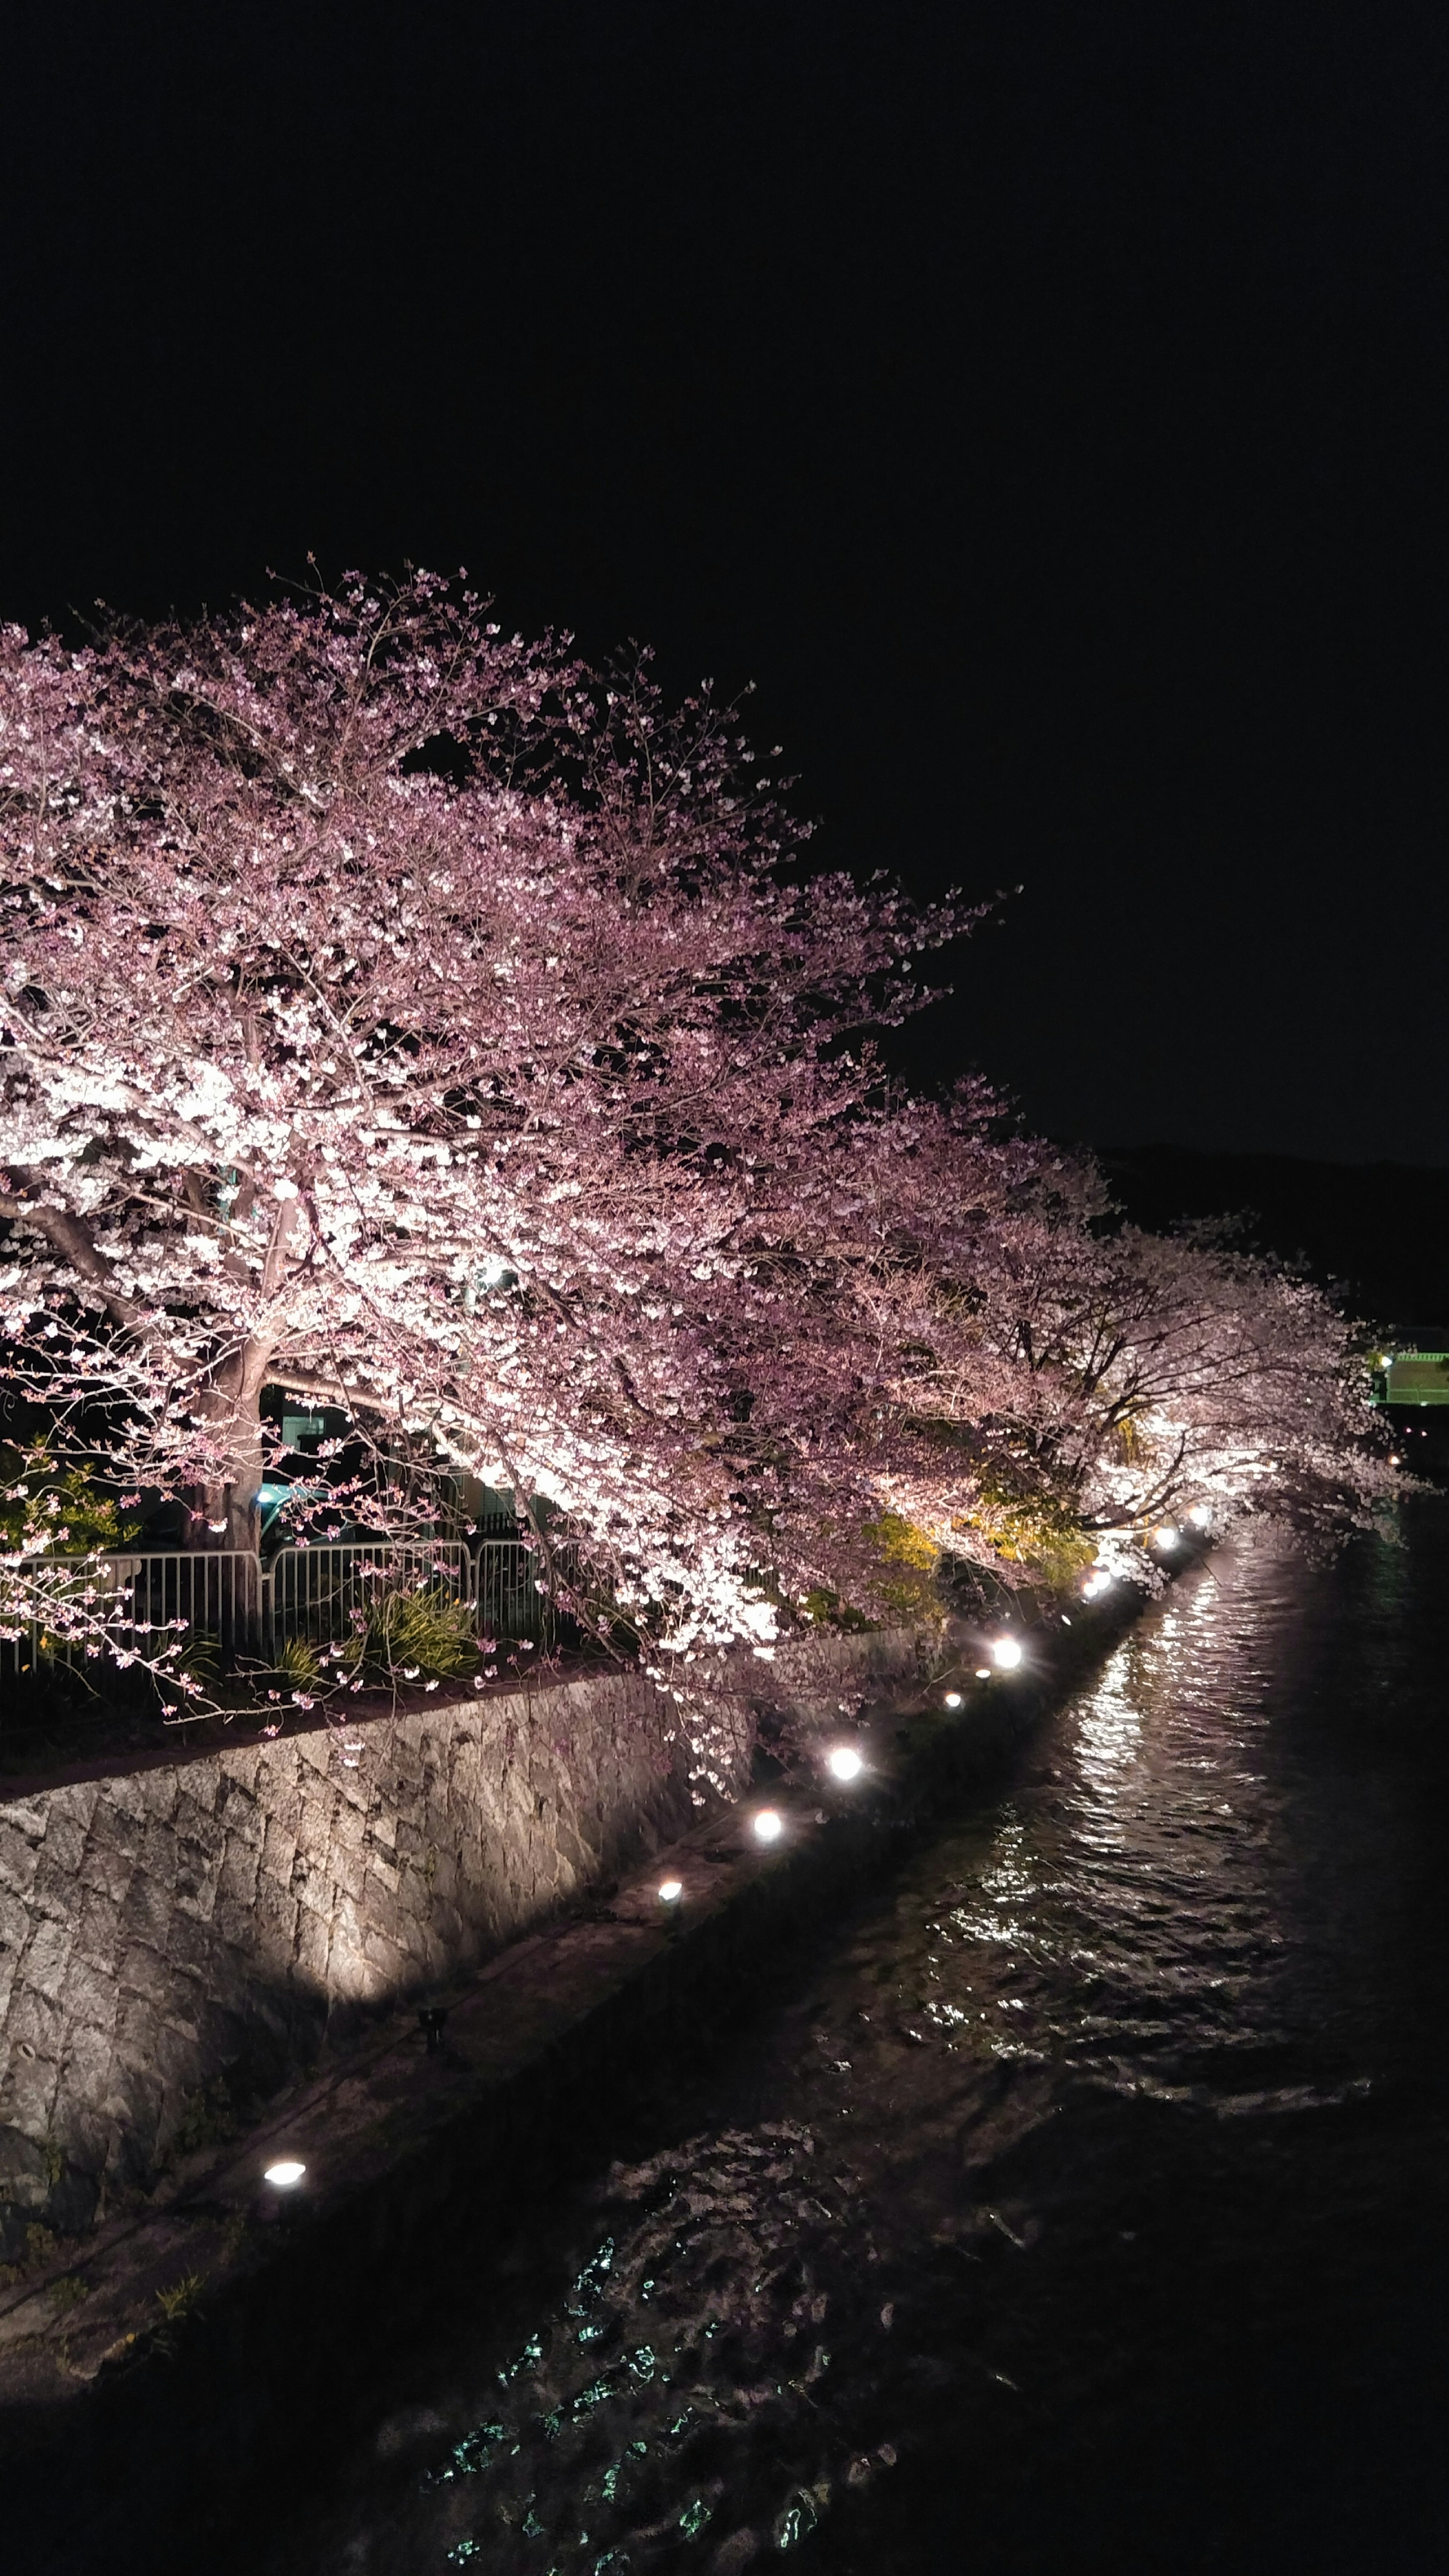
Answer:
(1077, 2204)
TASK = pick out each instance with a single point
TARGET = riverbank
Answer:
(185, 2332)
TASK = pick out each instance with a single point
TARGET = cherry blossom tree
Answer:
(406, 1017)
(397, 1014)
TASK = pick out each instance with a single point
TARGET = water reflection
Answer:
(1096, 2121)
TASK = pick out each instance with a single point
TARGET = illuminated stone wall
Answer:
(221, 1916)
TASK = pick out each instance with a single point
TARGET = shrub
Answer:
(409, 1634)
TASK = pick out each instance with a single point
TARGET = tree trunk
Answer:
(227, 1514)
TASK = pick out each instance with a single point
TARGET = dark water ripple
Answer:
(1083, 2208)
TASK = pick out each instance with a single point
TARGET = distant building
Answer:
(1413, 1366)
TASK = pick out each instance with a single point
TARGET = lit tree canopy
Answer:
(413, 1019)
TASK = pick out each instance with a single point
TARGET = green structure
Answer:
(1413, 1367)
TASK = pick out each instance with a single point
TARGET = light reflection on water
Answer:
(1112, 2077)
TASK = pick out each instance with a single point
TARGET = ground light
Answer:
(845, 1762)
(953, 1699)
(1006, 1654)
(768, 1826)
(285, 2174)
(1167, 1536)
(1200, 1516)
(983, 1672)
(670, 1890)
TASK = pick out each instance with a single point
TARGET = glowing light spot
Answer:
(845, 1762)
(953, 1699)
(983, 1672)
(1167, 1536)
(285, 2174)
(1200, 1516)
(670, 1890)
(768, 1826)
(1006, 1654)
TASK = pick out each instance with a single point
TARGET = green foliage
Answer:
(414, 1633)
(207, 2120)
(46, 1510)
(67, 2292)
(39, 2243)
(181, 2298)
(1031, 1528)
(200, 1663)
(177, 2304)
(826, 1610)
(911, 1563)
(299, 1663)
(905, 1587)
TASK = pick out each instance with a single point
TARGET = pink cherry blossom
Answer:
(414, 1021)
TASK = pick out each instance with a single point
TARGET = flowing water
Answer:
(1081, 2205)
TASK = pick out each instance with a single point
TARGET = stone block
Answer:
(279, 1852)
(383, 1879)
(105, 1863)
(90, 1998)
(148, 1912)
(98, 1929)
(35, 2024)
(24, 2178)
(275, 1916)
(390, 1966)
(178, 2060)
(46, 1956)
(313, 1752)
(245, 1822)
(191, 1948)
(27, 1817)
(29, 2092)
(19, 1853)
(143, 1797)
(14, 1922)
(65, 1835)
(146, 1978)
(197, 1821)
(85, 2075)
(197, 1871)
(349, 1827)
(236, 1880)
(312, 1946)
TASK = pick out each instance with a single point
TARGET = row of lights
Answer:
(844, 1764)
(842, 1761)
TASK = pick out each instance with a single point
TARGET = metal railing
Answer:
(243, 1605)
(323, 1593)
(217, 1593)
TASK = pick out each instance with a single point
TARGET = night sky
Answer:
(1044, 404)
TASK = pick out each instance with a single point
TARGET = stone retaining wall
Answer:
(213, 1921)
